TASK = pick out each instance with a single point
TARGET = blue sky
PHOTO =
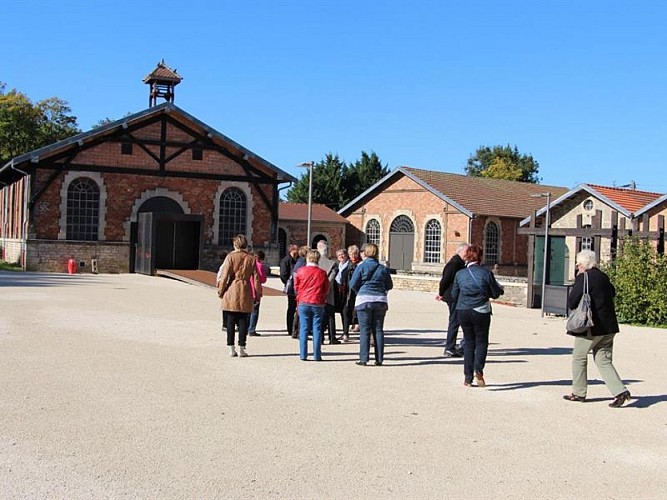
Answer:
(580, 85)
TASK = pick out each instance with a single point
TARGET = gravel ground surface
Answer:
(119, 386)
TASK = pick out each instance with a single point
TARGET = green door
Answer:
(558, 255)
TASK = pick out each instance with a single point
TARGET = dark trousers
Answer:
(452, 327)
(348, 317)
(234, 318)
(475, 328)
(291, 311)
(329, 322)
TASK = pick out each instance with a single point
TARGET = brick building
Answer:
(325, 225)
(419, 217)
(158, 188)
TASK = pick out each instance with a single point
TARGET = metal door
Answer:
(401, 243)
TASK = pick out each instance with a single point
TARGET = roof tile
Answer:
(299, 211)
(483, 196)
(630, 199)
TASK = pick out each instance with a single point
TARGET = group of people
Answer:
(356, 285)
(466, 287)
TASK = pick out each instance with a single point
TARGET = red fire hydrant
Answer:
(71, 266)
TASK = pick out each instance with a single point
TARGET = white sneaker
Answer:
(242, 353)
(232, 351)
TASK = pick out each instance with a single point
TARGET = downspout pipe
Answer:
(24, 222)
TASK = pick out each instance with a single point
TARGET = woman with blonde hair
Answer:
(311, 285)
(371, 281)
(234, 289)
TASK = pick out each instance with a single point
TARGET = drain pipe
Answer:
(24, 222)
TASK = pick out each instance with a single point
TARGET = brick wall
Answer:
(297, 233)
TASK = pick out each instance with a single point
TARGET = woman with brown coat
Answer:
(237, 270)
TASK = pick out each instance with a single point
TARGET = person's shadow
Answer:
(635, 402)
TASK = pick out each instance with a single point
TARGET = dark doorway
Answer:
(158, 204)
(282, 243)
(168, 241)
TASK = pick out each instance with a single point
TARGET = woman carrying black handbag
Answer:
(600, 337)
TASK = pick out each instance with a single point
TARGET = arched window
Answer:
(83, 210)
(233, 215)
(491, 243)
(373, 232)
(402, 224)
(432, 237)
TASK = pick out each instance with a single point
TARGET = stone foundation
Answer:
(52, 256)
(516, 289)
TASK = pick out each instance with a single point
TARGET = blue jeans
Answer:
(475, 328)
(371, 322)
(254, 316)
(310, 323)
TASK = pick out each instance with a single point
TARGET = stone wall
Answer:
(11, 250)
(52, 256)
(516, 289)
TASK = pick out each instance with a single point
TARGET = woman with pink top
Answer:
(263, 271)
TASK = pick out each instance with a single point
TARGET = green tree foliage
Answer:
(639, 275)
(25, 126)
(335, 183)
(328, 177)
(503, 162)
(363, 174)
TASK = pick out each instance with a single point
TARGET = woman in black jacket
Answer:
(599, 338)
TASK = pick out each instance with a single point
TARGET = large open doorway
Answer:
(168, 241)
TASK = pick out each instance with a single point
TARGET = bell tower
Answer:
(161, 82)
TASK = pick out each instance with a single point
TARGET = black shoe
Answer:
(254, 334)
(378, 363)
(574, 397)
(334, 341)
(452, 354)
(360, 363)
(620, 400)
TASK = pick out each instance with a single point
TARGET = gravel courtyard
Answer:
(119, 386)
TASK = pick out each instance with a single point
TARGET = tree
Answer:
(328, 176)
(503, 162)
(639, 275)
(363, 174)
(25, 126)
(335, 183)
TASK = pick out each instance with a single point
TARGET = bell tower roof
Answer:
(162, 81)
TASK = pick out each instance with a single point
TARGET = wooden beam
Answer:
(79, 167)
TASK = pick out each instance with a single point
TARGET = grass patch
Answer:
(6, 266)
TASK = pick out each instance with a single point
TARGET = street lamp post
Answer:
(545, 260)
(309, 165)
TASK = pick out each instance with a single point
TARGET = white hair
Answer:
(586, 258)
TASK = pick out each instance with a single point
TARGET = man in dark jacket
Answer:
(286, 267)
(455, 264)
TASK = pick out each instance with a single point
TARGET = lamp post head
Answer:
(306, 164)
